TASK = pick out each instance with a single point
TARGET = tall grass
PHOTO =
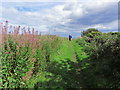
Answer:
(25, 56)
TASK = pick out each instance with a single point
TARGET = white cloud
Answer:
(58, 0)
(98, 26)
(60, 16)
(112, 25)
(61, 30)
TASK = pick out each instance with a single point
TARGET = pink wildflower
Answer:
(6, 52)
(34, 60)
(24, 78)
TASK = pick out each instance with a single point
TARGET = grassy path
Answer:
(72, 54)
(69, 50)
(66, 51)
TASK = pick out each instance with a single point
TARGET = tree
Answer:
(91, 32)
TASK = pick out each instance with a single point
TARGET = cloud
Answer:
(67, 17)
(112, 25)
(91, 13)
(58, 0)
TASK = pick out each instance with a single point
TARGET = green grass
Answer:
(79, 51)
(66, 51)
(69, 50)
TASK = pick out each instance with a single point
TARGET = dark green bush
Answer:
(104, 61)
(91, 33)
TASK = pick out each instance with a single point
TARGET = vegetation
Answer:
(104, 53)
(91, 32)
(32, 60)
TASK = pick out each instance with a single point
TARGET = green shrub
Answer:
(103, 70)
(91, 33)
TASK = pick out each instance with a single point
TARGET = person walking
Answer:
(70, 37)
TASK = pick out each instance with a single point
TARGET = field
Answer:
(32, 60)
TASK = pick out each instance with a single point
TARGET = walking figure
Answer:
(70, 37)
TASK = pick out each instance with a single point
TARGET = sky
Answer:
(62, 17)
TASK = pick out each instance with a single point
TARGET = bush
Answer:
(91, 33)
(103, 70)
